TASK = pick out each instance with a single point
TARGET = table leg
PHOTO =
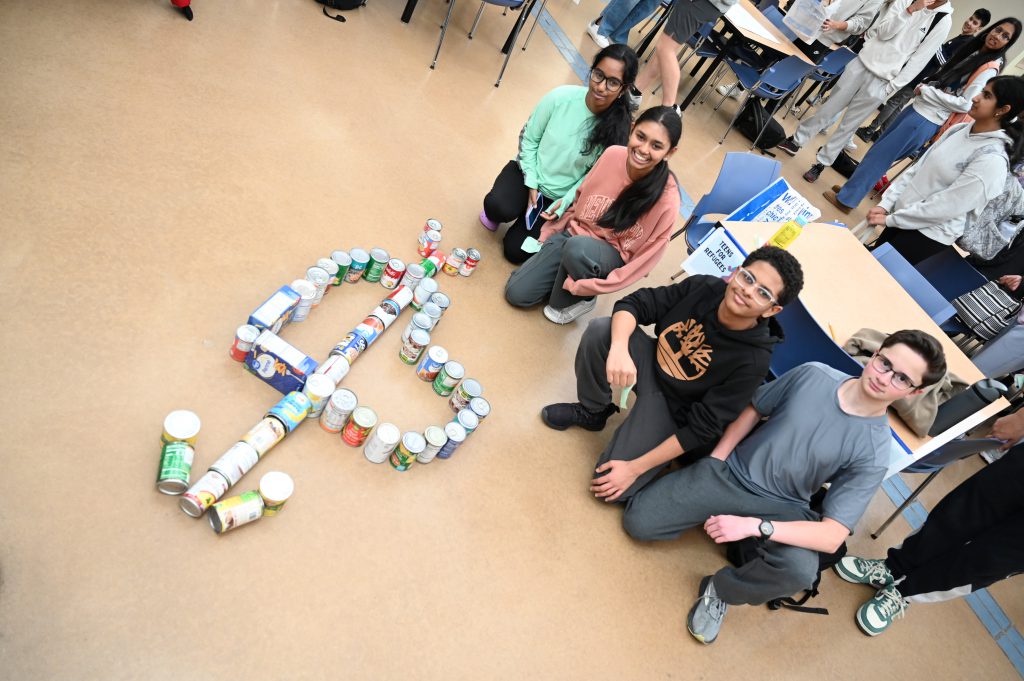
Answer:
(410, 6)
(649, 38)
(733, 39)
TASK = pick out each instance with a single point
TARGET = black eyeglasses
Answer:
(746, 280)
(613, 84)
(899, 380)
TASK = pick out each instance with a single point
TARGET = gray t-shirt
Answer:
(809, 440)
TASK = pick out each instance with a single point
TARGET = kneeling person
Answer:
(713, 346)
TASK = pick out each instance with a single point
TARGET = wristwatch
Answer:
(766, 529)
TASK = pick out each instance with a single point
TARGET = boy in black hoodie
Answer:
(713, 346)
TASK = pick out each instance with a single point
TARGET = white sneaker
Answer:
(851, 146)
(732, 91)
(601, 41)
(571, 313)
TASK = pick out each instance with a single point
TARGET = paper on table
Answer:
(740, 18)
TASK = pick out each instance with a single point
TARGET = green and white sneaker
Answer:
(876, 615)
(705, 618)
(864, 571)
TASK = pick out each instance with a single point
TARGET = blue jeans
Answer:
(907, 133)
(622, 15)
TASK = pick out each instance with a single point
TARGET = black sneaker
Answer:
(789, 146)
(815, 172)
(561, 416)
(867, 133)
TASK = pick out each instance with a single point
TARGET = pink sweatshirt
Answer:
(641, 246)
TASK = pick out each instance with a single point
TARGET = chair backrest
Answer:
(914, 283)
(697, 39)
(835, 61)
(785, 75)
(950, 274)
(775, 16)
(806, 341)
(741, 177)
(951, 452)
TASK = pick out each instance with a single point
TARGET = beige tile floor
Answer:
(158, 180)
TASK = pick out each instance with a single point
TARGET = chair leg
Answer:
(739, 110)
(476, 20)
(444, 29)
(512, 45)
(905, 504)
(533, 28)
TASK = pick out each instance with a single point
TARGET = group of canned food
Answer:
(181, 428)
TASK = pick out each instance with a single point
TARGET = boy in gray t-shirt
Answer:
(822, 426)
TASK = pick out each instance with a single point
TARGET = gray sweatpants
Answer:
(649, 422)
(542, 276)
(686, 498)
(858, 93)
(1004, 354)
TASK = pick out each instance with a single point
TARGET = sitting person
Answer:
(822, 426)
(561, 141)
(714, 342)
(616, 229)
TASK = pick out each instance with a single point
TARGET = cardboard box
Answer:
(275, 310)
(278, 363)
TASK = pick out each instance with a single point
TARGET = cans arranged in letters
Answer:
(480, 407)
(181, 424)
(175, 467)
(265, 434)
(335, 415)
(375, 268)
(360, 260)
(307, 293)
(411, 446)
(472, 260)
(291, 410)
(456, 436)
(435, 439)
(331, 267)
(245, 336)
(383, 441)
(428, 242)
(466, 391)
(432, 263)
(421, 295)
(413, 275)
(321, 279)
(369, 329)
(335, 367)
(467, 419)
(441, 300)
(392, 273)
(451, 373)
(359, 425)
(432, 224)
(203, 493)
(453, 262)
(276, 488)
(236, 462)
(413, 348)
(350, 347)
(401, 297)
(236, 511)
(431, 363)
(319, 389)
(344, 261)
(418, 321)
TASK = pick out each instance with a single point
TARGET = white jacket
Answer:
(937, 194)
(857, 13)
(936, 105)
(899, 45)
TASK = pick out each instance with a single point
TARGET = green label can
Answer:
(375, 268)
(451, 373)
(175, 467)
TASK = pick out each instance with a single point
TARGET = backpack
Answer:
(993, 230)
(753, 116)
(341, 6)
(845, 164)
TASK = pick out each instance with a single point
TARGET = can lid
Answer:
(359, 255)
(276, 486)
(434, 224)
(454, 369)
(480, 406)
(435, 436)
(432, 310)
(468, 419)
(455, 431)
(472, 387)
(422, 320)
(434, 235)
(414, 442)
(473, 253)
(328, 265)
(317, 275)
(438, 354)
(379, 254)
(396, 264)
(389, 434)
(415, 270)
(420, 337)
(428, 285)
(248, 332)
(341, 257)
(365, 417)
(440, 299)
(182, 424)
(344, 398)
(320, 385)
(459, 253)
(304, 287)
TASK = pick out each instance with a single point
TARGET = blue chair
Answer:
(775, 83)
(507, 5)
(806, 341)
(773, 14)
(950, 274)
(914, 283)
(741, 177)
(830, 68)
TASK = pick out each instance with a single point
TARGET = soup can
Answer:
(432, 224)
(432, 311)
(466, 391)
(359, 425)
(291, 410)
(181, 424)
(480, 407)
(236, 511)
(307, 292)
(276, 488)
(468, 420)
(369, 329)
(344, 261)
(441, 300)
(203, 493)
(175, 467)
(418, 321)
(472, 260)
(432, 263)
(375, 268)
(453, 262)
(456, 436)
(431, 363)
(335, 367)
(421, 295)
(413, 348)
(360, 260)
(265, 434)
(245, 336)
(387, 312)
(335, 415)
(428, 242)
(236, 462)
(413, 275)
(332, 269)
(411, 446)
(383, 441)
(321, 279)
(319, 389)
(392, 273)
(401, 297)
(350, 347)
(448, 377)
(435, 439)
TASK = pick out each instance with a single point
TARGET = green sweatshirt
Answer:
(552, 141)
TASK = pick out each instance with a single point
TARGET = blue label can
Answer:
(291, 410)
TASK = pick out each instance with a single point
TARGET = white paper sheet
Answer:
(740, 18)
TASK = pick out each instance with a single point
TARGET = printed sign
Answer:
(778, 203)
(719, 254)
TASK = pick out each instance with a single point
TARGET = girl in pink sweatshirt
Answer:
(616, 230)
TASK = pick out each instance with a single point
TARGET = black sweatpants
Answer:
(911, 244)
(973, 538)
(506, 202)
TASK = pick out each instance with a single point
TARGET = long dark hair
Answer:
(640, 196)
(612, 124)
(970, 56)
(1009, 91)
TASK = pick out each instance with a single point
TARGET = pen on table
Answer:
(833, 332)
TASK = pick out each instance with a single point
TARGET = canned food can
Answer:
(236, 511)
(369, 328)
(236, 462)
(321, 279)
(414, 274)
(392, 273)
(418, 321)
(456, 436)
(431, 363)
(468, 420)
(181, 424)
(344, 261)
(432, 311)
(291, 409)
(441, 300)
(319, 389)
(175, 467)
(359, 425)
(335, 367)
(276, 488)
(265, 434)
(360, 260)
(203, 493)
(472, 260)
(480, 407)
(421, 296)
(466, 391)
(413, 348)
(383, 441)
(453, 262)
(335, 415)
(350, 347)
(448, 377)
(387, 313)
(432, 263)
(332, 268)
(245, 336)
(435, 439)
(401, 297)
(428, 242)
(375, 268)
(411, 446)
(432, 224)
(307, 292)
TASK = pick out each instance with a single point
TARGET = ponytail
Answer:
(611, 126)
(1009, 91)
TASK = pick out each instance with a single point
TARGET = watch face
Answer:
(766, 528)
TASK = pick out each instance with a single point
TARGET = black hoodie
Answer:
(708, 373)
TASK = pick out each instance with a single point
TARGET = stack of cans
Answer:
(181, 428)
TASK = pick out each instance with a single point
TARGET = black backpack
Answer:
(753, 116)
(341, 6)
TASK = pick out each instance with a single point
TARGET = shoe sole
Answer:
(553, 426)
(689, 617)
(864, 628)
(836, 203)
(788, 151)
